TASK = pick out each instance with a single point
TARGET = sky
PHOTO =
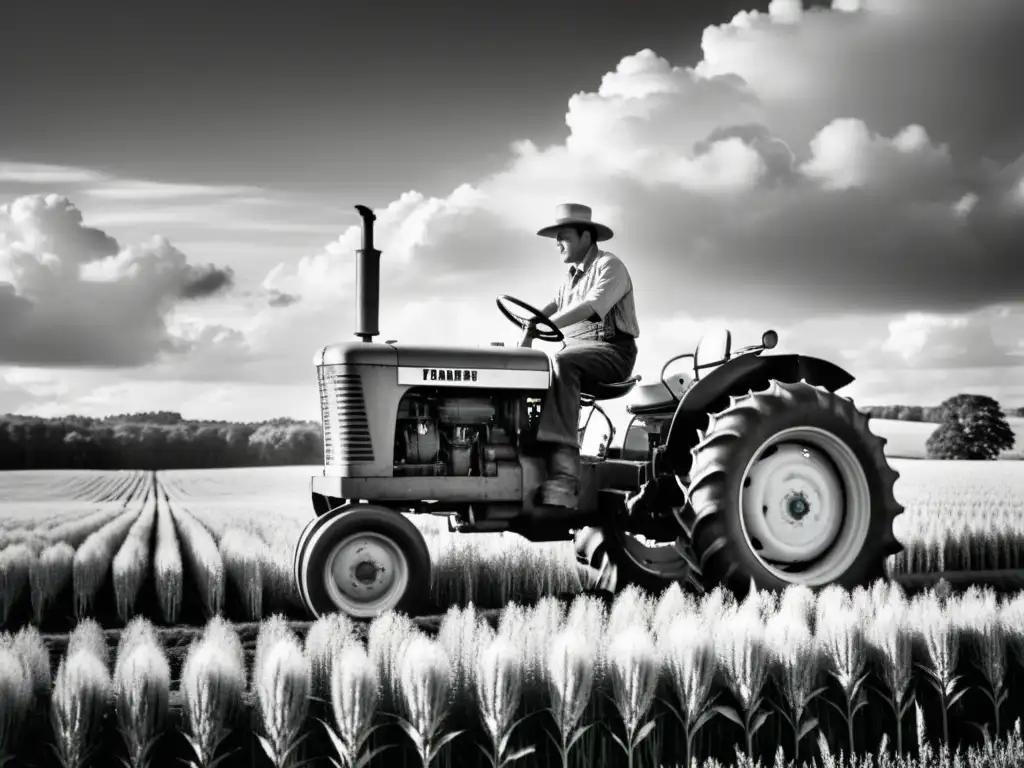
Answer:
(177, 187)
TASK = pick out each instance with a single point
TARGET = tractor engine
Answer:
(459, 435)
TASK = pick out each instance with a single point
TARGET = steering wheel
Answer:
(553, 335)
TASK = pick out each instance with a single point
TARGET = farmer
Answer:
(595, 311)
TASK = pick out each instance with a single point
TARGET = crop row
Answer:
(647, 681)
(136, 560)
(31, 514)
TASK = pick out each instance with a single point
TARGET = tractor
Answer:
(751, 473)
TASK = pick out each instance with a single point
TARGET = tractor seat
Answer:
(594, 391)
(655, 398)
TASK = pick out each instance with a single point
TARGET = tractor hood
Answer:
(502, 358)
(356, 353)
(489, 367)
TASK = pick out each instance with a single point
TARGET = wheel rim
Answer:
(366, 574)
(805, 497)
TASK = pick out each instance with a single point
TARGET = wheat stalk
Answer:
(633, 668)
(89, 636)
(142, 685)
(130, 566)
(424, 675)
(386, 641)
(498, 689)
(80, 695)
(15, 564)
(139, 631)
(797, 656)
(893, 642)
(671, 605)
(15, 701)
(167, 565)
(245, 558)
(458, 636)
(29, 645)
(988, 644)
(688, 656)
(631, 608)
(355, 698)
(570, 673)
(743, 654)
(212, 680)
(48, 575)
(329, 635)
(940, 636)
(282, 682)
(842, 638)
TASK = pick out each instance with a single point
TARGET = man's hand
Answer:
(529, 333)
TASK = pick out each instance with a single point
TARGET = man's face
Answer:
(572, 246)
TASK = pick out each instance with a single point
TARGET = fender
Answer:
(737, 377)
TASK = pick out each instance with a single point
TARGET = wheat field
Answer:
(182, 546)
(649, 680)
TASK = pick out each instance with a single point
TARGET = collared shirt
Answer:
(606, 286)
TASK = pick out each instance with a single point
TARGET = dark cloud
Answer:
(281, 299)
(206, 281)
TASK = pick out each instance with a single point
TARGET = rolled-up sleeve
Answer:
(611, 283)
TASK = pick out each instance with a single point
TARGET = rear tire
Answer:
(831, 498)
(363, 561)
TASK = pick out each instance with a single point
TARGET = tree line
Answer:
(932, 414)
(161, 440)
(166, 440)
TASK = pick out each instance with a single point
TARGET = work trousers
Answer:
(573, 367)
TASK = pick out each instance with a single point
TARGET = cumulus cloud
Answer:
(858, 168)
(71, 295)
(943, 64)
(853, 177)
(956, 341)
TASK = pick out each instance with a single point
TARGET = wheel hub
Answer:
(797, 506)
(364, 572)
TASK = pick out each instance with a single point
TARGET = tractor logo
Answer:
(448, 374)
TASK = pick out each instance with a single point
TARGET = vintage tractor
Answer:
(753, 471)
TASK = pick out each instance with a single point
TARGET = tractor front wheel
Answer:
(363, 561)
(789, 486)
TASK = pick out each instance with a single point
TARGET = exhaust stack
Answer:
(367, 280)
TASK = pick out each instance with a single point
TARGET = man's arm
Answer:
(574, 314)
(566, 317)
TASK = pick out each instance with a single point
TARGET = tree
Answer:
(971, 427)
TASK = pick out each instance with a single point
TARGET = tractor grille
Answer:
(345, 424)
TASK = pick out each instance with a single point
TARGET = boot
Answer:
(562, 485)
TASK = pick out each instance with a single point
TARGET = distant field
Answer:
(185, 544)
(907, 438)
